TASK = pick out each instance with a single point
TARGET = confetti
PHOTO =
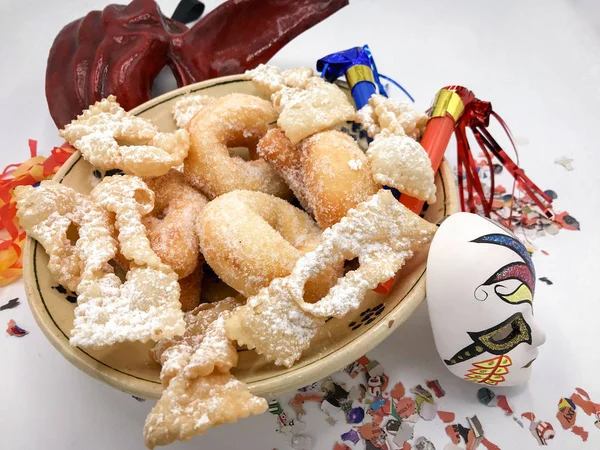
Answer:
(488, 398)
(565, 162)
(541, 431)
(518, 422)
(446, 416)
(427, 410)
(587, 406)
(302, 442)
(420, 391)
(579, 431)
(567, 414)
(14, 330)
(568, 222)
(351, 436)
(355, 415)
(12, 303)
(519, 209)
(546, 280)
(405, 433)
(422, 443)
(339, 446)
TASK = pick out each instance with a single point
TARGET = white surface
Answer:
(537, 60)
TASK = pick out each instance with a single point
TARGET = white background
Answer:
(538, 61)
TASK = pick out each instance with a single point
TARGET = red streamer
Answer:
(476, 117)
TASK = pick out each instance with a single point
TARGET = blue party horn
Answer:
(359, 68)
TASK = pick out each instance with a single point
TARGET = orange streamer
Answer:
(27, 173)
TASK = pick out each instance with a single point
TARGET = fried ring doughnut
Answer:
(328, 173)
(171, 225)
(236, 120)
(249, 238)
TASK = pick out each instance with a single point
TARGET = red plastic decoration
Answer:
(476, 117)
(122, 49)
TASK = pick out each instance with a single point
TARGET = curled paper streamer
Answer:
(28, 173)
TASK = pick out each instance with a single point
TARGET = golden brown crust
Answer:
(235, 120)
(170, 227)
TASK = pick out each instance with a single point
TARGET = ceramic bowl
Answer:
(128, 366)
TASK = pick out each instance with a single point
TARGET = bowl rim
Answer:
(292, 379)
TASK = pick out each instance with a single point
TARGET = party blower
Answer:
(446, 111)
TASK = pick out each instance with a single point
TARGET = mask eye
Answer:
(508, 335)
(503, 334)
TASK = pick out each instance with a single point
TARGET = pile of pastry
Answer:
(278, 225)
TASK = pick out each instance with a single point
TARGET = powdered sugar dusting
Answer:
(355, 164)
(109, 137)
(316, 107)
(203, 348)
(146, 305)
(270, 79)
(191, 407)
(402, 163)
(394, 115)
(187, 106)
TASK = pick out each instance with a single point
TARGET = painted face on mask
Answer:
(480, 290)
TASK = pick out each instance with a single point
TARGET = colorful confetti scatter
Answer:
(517, 209)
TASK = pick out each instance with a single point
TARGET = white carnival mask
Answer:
(480, 287)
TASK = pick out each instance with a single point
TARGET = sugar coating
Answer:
(187, 106)
(391, 114)
(249, 238)
(285, 158)
(199, 391)
(328, 172)
(47, 212)
(402, 163)
(355, 164)
(381, 232)
(270, 79)
(203, 348)
(306, 103)
(332, 186)
(145, 306)
(316, 107)
(235, 120)
(191, 407)
(171, 224)
(109, 137)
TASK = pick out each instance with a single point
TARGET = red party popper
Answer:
(446, 110)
